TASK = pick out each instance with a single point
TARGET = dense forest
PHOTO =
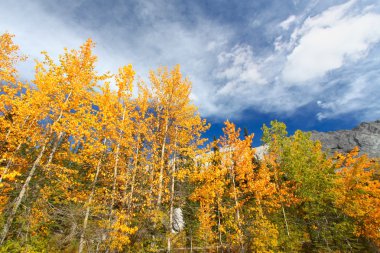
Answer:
(104, 163)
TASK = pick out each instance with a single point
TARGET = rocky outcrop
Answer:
(260, 151)
(366, 136)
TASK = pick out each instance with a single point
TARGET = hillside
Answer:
(366, 136)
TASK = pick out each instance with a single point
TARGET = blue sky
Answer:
(311, 64)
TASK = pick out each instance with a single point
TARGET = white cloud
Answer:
(358, 97)
(238, 76)
(238, 70)
(36, 31)
(288, 22)
(156, 36)
(328, 41)
(228, 72)
(294, 74)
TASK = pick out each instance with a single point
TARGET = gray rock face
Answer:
(366, 136)
(178, 222)
(261, 151)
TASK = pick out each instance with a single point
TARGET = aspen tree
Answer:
(9, 57)
(119, 229)
(210, 180)
(141, 121)
(358, 193)
(229, 144)
(96, 146)
(12, 102)
(73, 81)
(178, 125)
(124, 81)
(170, 98)
(56, 85)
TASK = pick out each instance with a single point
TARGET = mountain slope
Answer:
(366, 136)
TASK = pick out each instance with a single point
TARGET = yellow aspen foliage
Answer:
(358, 193)
(211, 182)
(95, 162)
(9, 57)
(232, 190)
(121, 231)
(173, 110)
(264, 235)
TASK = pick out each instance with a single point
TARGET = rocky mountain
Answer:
(366, 136)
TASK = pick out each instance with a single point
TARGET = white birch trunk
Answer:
(162, 163)
(88, 204)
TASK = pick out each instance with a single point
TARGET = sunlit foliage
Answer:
(103, 162)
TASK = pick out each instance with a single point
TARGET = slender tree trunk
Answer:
(172, 195)
(20, 197)
(171, 207)
(236, 201)
(88, 204)
(110, 215)
(237, 212)
(10, 129)
(54, 149)
(285, 219)
(191, 243)
(8, 133)
(169, 243)
(162, 163)
(324, 237)
(219, 224)
(115, 171)
(151, 188)
(171, 203)
(134, 171)
(282, 205)
(26, 184)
